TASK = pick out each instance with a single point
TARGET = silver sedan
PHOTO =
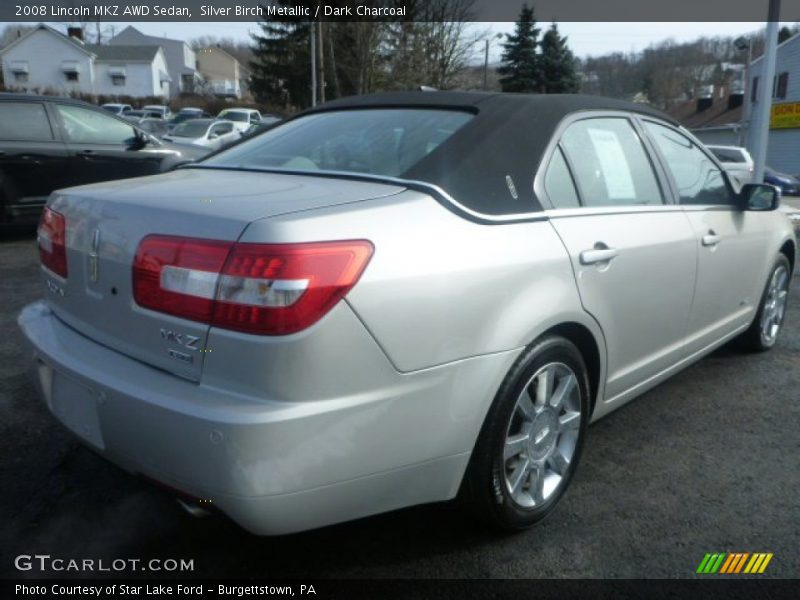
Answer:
(397, 299)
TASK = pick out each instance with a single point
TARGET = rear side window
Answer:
(698, 180)
(22, 121)
(558, 183)
(611, 165)
(384, 142)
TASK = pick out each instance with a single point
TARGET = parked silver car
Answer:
(396, 299)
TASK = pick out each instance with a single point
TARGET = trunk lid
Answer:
(107, 221)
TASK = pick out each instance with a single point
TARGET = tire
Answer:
(496, 488)
(763, 331)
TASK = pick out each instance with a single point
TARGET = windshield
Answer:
(191, 129)
(385, 142)
(234, 115)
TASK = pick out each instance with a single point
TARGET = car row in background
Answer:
(740, 168)
(48, 143)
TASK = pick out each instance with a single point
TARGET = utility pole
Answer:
(741, 44)
(321, 64)
(763, 110)
(486, 66)
(313, 37)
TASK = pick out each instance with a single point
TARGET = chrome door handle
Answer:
(597, 255)
(711, 239)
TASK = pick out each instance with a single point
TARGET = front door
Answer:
(729, 241)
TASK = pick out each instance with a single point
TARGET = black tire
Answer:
(754, 340)
(486, 490)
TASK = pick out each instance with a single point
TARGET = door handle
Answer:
(711, 239)
(599, 254)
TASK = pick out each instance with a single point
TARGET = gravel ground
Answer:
(706, 462)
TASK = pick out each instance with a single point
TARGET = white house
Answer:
(45, 59)
(783, 149)
(222, 73)
(181, 59)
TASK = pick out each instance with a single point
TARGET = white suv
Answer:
(737, 162)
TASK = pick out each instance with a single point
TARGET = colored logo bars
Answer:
(734, 562)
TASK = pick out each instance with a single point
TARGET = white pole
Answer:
(763, 109)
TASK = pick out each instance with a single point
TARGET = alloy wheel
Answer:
(542, 435)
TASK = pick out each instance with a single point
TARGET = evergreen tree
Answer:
(280, 69)
(520, 71)
(557, 64)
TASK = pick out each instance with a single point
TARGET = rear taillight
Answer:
(269, 289)
(52, 238)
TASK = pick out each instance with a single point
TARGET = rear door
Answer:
(102, 147)
(730, 242)
(33, 161)
(633, 252)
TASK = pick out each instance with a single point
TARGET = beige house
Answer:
(223, 74)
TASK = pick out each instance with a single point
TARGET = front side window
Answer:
(558, 183)
(378, 141)
(610, 163)
(698, 180)
(85, 126)
(222, 128)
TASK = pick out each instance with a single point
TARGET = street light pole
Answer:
(743, 43)
(764, 108)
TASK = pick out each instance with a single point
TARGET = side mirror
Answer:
(213, 136)
(759, 197)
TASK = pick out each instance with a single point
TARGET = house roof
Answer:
(153, 38)
(786, 42)
(716, 115)
(123, 53)
(42, 27)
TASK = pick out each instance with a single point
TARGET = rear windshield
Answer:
(728, 155)
(385, 142)
(191, 129)
(234, 115)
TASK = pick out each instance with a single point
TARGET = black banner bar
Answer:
(389, 10)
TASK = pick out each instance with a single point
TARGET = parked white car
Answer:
(164, 110)
(117, 109)
(209, 133)
(243, 118)
(737, 162)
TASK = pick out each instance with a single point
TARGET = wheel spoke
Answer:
(525, 405)
(515, 445)
(563, 391)
(570, 420)
(536, 485)
(544, 386)
(517, 477)
(558, 462)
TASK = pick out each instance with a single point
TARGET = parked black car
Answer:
(48, 143)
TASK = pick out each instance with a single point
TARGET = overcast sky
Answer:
(585, 39)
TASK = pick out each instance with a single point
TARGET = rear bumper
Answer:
(273, 466)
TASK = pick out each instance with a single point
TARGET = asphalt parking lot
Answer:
(706, 462)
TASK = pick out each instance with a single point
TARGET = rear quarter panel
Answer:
(440, 288)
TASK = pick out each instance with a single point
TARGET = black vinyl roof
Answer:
(507, 138)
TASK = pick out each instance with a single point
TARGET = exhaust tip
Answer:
(193, 508)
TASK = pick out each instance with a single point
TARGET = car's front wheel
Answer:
(531, 440)
(763, 332)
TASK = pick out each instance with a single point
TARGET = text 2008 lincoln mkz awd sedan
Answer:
(397, 299)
